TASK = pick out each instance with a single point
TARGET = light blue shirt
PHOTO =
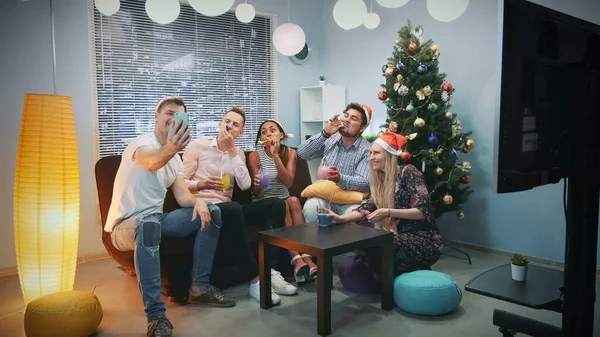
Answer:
(352, 162)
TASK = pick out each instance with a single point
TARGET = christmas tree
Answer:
(418, 99)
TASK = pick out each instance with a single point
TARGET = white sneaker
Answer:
(280, 286)
(255, 293)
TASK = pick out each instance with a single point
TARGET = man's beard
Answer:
(345, 133)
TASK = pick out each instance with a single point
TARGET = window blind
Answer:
(213, 63)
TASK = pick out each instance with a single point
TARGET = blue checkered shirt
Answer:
(353, 162)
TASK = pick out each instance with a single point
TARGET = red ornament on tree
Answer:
(465, 150)
(465, 179)
(382, 95)
(412, 46)
(447, 86)
(405, 156)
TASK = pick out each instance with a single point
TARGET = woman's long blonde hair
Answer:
(383, 187)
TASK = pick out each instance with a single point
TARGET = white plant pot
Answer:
(321, 83)
(519, 273)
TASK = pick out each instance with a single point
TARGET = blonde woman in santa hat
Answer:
(273, 166)
(399, 203)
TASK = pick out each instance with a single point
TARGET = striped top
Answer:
(353, 162)
(275, 188)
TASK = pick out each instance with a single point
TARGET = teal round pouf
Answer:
(426, 292)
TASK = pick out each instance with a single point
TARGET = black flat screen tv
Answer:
(546, 57)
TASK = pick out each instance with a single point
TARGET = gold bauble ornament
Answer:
(400, 77)
(419, 122)
(398, 41)
(449, 115)
(439, 171)
(390, 70)
(433, 48)
(460, 215)
(447, 199)
(470, 144)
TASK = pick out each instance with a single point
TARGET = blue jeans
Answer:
(143, 236)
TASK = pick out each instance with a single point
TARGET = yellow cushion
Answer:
(65, 314)
(329, 190)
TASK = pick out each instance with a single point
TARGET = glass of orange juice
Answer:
(226, 180)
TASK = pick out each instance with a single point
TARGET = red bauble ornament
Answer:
(412, 46)
(447, 86)
(465, 179)
(382, 95)
(465, 150)
(405, 156)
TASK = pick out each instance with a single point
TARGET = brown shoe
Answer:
(211, 296)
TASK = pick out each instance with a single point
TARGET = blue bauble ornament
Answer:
(433, 140)
(383, 68)
(399, 66)
(422, 68)
(453, 153)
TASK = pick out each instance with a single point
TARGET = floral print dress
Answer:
(418, 244)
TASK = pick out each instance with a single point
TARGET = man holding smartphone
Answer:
(149, 165)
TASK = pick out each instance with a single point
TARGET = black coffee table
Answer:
(324, 243)
(542, 289)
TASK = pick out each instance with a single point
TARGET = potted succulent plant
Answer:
(519, 263)
(322, 79)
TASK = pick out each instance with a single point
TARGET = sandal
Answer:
(312, 273)
(302, 272)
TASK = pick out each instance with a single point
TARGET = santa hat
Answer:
(391, 142)
(285, 135)
(368, 112)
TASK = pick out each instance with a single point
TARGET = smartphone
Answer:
(182, 116)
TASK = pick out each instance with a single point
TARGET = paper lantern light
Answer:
(107, 7)
(245, 12)
(211, 7)
(349, 14)
(447, 10)
(163, 11)
(372, 21)
(289, 39)
(46, 196)
(392, 3)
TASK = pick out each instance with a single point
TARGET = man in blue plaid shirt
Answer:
(346, 151)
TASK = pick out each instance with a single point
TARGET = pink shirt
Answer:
(203, 159)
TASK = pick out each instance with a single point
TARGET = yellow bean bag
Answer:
(64, 314)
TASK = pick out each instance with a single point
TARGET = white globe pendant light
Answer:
(392, 3)
(163, 11)
(289, 39)
(447, 10)
(349, 14)
(372, 21)
(245, 12)
(107, 7)
(211, 7)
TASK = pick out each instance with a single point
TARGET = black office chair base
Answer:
(510, 324)
(507, 333)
